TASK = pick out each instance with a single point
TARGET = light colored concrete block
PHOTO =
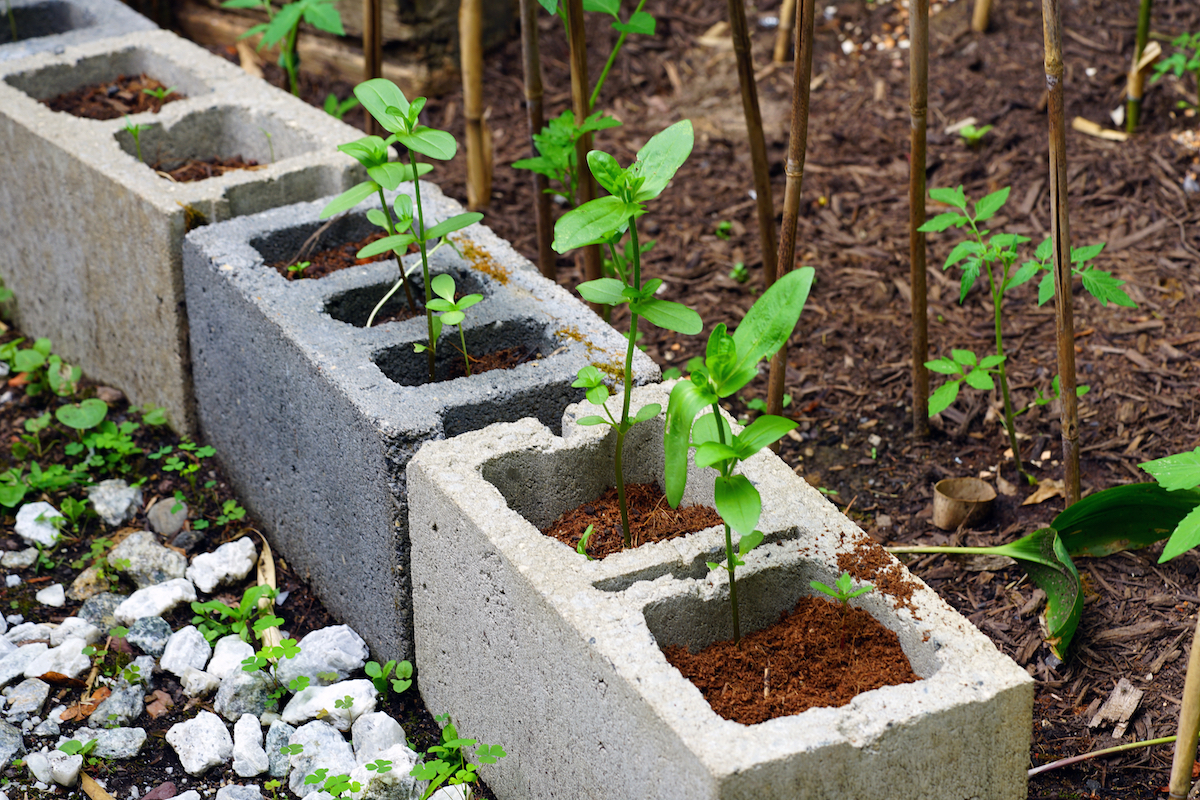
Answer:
(54, 25)
(527, 645)
(90, 238)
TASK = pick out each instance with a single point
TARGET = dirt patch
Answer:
(332, 259)
(127, 94)
(201, 169)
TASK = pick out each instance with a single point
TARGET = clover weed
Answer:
(447, 763)
(215, 619)
(379, 676)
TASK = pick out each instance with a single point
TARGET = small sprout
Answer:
(297, 270)
(449, 312)
(973, 136)
(739, 272)
(336, 109)
(723, 230)
(160, 94)
(581, 548)
(346, 702)
(135, 130)
(292, 749)
(843, 590)
(76, 747)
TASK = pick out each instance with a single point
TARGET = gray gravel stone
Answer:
(163, 521)
(11, 743)
(278, 735)
(150, 634)
(33, 524)
(324, 748)
(336, 649)
(149, 563)
(201, 743)
(249, 757)
(111, 742)
(154, 601)
(231, 561)
(186, 648)
(235, 791)
(243, 693)
(120, 708)
(99, 609)
(26, 699)
(13, 665)
(115, 500)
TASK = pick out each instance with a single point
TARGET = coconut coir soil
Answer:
(651, 519)
(818, 655)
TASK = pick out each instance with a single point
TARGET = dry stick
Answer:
(470, 36)
(1136, 83)
(531, 59)
(787, 22)
(579, 96)
(794, 169)
(372, 38)
(918, 107)
(758, 157)
(1189, 720)
(1060, 232)
(1108, 751)
(979, 15)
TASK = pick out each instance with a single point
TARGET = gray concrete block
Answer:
(315, 419)
(54, 25)
(527, 645)
(90, 238)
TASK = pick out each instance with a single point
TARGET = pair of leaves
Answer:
(321, 14)
(391, 109)
(399, 242)
(371, 152)
(591, 380)
(452, 313)
(663, 313)
(639, 21)
(964, 365)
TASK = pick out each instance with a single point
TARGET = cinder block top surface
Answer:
(54, 25)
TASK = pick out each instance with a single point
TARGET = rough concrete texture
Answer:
(315, 419)
(54, 25)
(90, 238)
(527, 645)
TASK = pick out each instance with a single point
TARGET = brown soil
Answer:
(505, 358)
(651, 519)
(113, 99)
(326, 262)
(816, 656)
(201, 169)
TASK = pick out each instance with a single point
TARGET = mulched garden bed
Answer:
(126, 94)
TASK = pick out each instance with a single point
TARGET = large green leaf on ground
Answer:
(1123, 518)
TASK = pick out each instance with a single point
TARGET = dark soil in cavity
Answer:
(326, 262)
(505, 358)
(651, 519)
(113, 99)
(201, 169)
(817, 656)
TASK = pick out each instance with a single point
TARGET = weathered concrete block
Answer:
(527, 645)
(90, 238)
(315, 419)
(54, 25)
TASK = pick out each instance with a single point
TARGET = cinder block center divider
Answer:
(315, 419)
(53, 25)
(90, 237)
(526, 644)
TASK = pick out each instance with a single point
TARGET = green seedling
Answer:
(379, 676)
(215, 619)
(739, 272)
(639, 22)
(135, 130)
(581, 548)
(1186, 58)
(230, 512)
(447, 763)
(95, 557)
(12, 20)
(41, 369)
(160, 94)
(1179, 473)
(556, 157)
(283, 26)
(292, 749)
(273, 787)
(996, 256)
(731, 362)
(723, 230)
(270, 143)
(449, 313)
(384, 101)
(337, 109)
(75, 747)
(973, 136)
(760, 405)
(605, 221)
(338, 785)
(298, 269)
(186, 462)
(842, 591)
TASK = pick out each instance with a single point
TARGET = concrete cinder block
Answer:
(315, 419)
(527, 645)
(54, 25)
(90, 238)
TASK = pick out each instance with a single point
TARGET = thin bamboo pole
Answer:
(372, 38)
(918, 108)
(758, 152)
(532, 61)
(783, 37)
(979, 15)
(794, 170)
(579, 97)
(1136, 83)
(1189, 723)
(1060, 233)
(470, 41)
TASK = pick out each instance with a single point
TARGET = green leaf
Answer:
(605, 291)
(592, 420)
(669, 315)
(1045, 249)
(1185, 536)
(945, 366)
(940, 400)
(443, 286)
(1046, 289)
(1123, 518)
(550, 5)
(597, 395)
(592, 223)
(1043, 555)
(1179, 471)
(1022, 275)
(429, 142)
(987, 207)
(379, 94)
(82, 415)
(951, 197)
(962, 250)
(767, 326)
(660, 158)
(1082, 254)
(765, 430)
(349, 198)
(737, 502)
(368, 151)
(394, 173)
(607, 172)
(1105, 288)
(455, 223)
(453, 317)
(285, 19)
(602, 6)
(325, 17)
(978, 379)
(640, 23)
(398, 243)
(991, 362)
(588, 377)
(964, 357)
(941, 222)
(749, 541)
(685, 403)
(647, 412)
(711, 453)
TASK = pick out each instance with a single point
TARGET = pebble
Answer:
(19, 559)
(150, 634)
(165, 522)
(154, 601)
(229, 562)
(34, 526)
(115, 500)
(54, 596)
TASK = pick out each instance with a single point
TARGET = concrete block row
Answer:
(54, 25)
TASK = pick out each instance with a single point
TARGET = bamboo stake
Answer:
(1060, 232)
(531, 58)
(1136, 83)
(794, 169)
(918, 89)
(372, 38)
(979, 15)
(579, 97)
(787, 23)
(1189, 722)
(758, 148)
(470, 36)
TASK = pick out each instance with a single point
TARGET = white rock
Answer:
(334, 649)
(54, 596)
(201, 743)
(13, 665)
(154, 601)
(456, 792)
(198, 683)
(228, 655)
(12, 581)
(396, 783)
(30, 632)
(145, 561)
(186, 648)
(190, 794)
(324, 748)
(33, 524)
(372, 734)
(19, 559)
(66, 659)
(229, 562)
(64, 769)
(233, 791)
(75, 628)
(39, 765)
(249, 757)
(321, 702)
(115, 500)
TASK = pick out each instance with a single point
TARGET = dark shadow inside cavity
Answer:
(42, 19)
(285, 244)
(354, 306)
(403, 365)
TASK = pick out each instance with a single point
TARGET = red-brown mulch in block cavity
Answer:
(112, 99)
